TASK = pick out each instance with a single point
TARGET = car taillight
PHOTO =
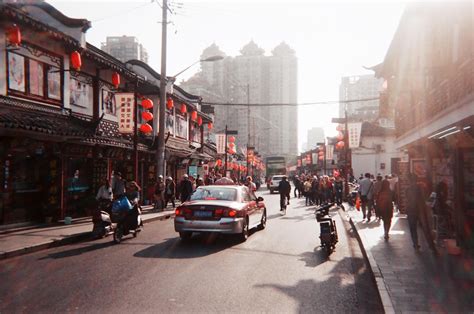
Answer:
(183, 211)
(232, 213)
(227, 212)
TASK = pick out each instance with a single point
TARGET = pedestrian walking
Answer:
(338, 190)
(377, 189)
(118, 185)
(385, 206)
(414, 208)
(307, 192)
(366, 195)
(251, 186)
(170, 191)
(185, 189)
(297, 183)
(159, 194)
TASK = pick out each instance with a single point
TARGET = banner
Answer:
(126, 110)
(354, 134)
(329, 152)
(220, 143)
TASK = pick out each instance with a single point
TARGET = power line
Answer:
(328, 102)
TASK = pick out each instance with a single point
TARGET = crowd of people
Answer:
(318, 190)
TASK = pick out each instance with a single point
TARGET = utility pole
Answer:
(160, 152)
(225, 153)
(248, 126)
(346, 145)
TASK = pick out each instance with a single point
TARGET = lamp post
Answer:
(160, 152)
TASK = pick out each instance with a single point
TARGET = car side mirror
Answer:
(259, 199)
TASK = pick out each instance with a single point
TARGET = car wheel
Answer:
(185, 235)
(245, 230)
(263, 221)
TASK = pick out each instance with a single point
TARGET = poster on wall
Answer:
(181, 127)
(419, 167)
(125, 108)
(169, 123)
(108, 102)
(16, 72)
(195, 134)
(54, 83)
(36, 78)
(80, 94)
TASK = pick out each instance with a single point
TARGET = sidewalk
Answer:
(411, 281)
(36, 238)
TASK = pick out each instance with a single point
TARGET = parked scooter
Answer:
(102, 224)
(328, 230)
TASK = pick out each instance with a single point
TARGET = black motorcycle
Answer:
(328, 231)
(128, 222)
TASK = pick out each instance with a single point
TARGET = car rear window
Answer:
(277, 178)
(214, 193)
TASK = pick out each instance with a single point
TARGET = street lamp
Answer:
(160, 153)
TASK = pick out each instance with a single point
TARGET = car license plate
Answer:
(202, 213)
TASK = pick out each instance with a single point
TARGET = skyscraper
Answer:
(315, 135)
(360, 87)
(125, 48)
(259, 80)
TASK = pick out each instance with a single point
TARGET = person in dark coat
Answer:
(185, 189)
(170, 189)
(414, 207)
(385, 206)
(284, 188)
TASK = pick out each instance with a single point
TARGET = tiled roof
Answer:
(54, 124)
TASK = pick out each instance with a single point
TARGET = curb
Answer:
(379, 280)
(67, 240)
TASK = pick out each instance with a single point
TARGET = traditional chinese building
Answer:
(429, 70)
(60, 135)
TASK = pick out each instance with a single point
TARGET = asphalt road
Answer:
(280, 269)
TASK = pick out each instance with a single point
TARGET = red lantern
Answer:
(146, 128)
(210, 126)
(14, 35)
(194, 115)
(340, 144)
(116, 79)
(321, 153)
(232, 139)
(339, 128)
(231, 145)
(147, 116)
(76, 61)
(199, 121)
(169, 103)
(183, 109)
(321, 157)
(147, 103)
(340, 136)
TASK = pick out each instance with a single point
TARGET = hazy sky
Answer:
(331, 38)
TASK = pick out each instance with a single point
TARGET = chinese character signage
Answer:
(354, 134)
(125, 108)
(329, 152)
(220, 143)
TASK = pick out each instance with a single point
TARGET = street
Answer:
(279, 269)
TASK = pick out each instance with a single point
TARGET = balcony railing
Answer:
(441, 94)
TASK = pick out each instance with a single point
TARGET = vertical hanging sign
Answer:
(220, 143)
(354, 134)
(329, 152)
(126, 110)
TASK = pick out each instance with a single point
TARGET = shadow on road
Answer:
(78, 251)
(198, 246)
(311, 294)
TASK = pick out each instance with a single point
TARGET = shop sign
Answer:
(220, 143)
(126, 109)
(354, 134)
(329, 152)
